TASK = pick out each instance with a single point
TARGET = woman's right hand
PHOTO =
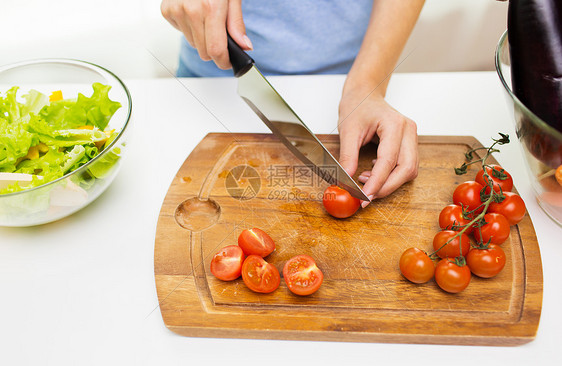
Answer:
(204, 24)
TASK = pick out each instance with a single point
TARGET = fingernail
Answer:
(366, 203)
(248, 42)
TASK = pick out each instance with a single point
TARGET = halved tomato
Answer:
(259, 275)
(302, 275)
(256, 241)
(226, 265)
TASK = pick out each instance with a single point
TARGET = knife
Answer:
(272, 109)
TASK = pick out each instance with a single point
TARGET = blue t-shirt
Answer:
(294, 37)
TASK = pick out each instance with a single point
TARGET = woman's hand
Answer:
(204, 24)
(363, 120)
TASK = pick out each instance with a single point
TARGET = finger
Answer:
(186, 30)
(408, 162)
(350, 142)
(235, 25)
(196, 22)
(387, 157)
(170, 11)
(215, 34)
(363, 177)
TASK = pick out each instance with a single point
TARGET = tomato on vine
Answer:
(452, 218)
(451, 249)
(486, 262)
(512, 208)
(495, 230)
(498, 176)
(416, 266)
(467, 195)
(452, 277)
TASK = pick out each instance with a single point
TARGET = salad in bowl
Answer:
(60, 143)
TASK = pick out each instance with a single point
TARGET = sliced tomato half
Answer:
(259, 275)
(256, 241)
(302, 275)
(226, 265)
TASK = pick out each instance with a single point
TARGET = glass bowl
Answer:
(68, 194)
(541, 143)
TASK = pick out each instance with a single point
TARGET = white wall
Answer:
(131, 38)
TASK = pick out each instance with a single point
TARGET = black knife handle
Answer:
(239, 59)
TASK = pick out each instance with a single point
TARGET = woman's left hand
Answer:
(362, 120)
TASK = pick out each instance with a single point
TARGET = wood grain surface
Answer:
(363, 298)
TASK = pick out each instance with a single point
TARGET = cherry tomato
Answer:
(416, 266)
(558, 175)
(506, 183)
(486, 263)
(450, 277)
(226, 265)
(256, 241)
(512, 208)
(259, 275)
(451, 217)
(467, 194)
(339, 203)
(451, 250)
(496, 230)
(302, 276)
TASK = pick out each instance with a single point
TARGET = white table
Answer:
(81, 290)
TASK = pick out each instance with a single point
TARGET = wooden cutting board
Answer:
(256, 182)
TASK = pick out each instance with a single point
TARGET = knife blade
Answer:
(285, 124)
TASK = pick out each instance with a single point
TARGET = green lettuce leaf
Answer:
(96, 110)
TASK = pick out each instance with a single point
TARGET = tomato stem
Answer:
(493, 196)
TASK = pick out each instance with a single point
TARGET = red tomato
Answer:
(467, 194)
(512, 207)
(259, 275)
(451, 217)
(339, 203)
(256, 241)
(226, 265)
(496, 230)
(302, 276)
(486, 263)
(450, 277)
(416, 266)
(451, 250)
(506, 183)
